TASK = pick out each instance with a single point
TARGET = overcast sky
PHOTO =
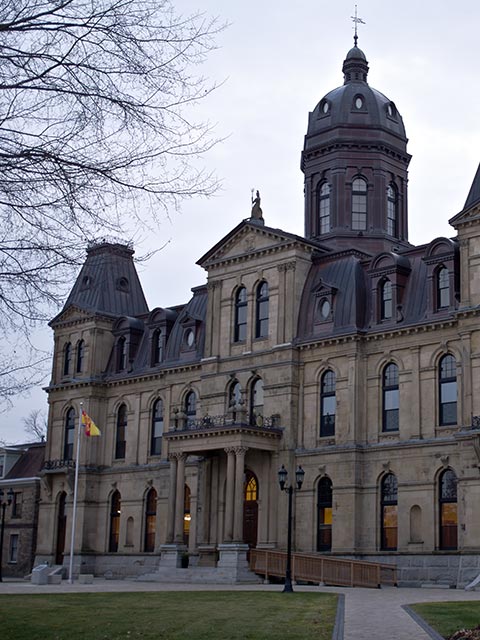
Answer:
(277, 60)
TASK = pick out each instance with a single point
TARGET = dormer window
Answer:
(122, 284)
(121, 354)
(443, 288)
(359, 102)
(386, 300)
(157, 346)
(359, 204)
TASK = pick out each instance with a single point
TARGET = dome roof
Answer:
(356, 104)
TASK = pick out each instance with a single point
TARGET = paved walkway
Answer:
(370, 614)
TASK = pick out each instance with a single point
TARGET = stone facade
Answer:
(348, 352)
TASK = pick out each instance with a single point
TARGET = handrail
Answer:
(324, 569)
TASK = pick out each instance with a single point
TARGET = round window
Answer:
(358, 103)
(325, 309)
(190, 338)
(325, 107)
(390, 110)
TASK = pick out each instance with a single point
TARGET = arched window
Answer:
(150, 520)
(391, 398)
(359, 204)
(389, 515)
(448, 509)
(157, 346)
(191, 408)
(324, 208)
(256, 403)
(261, 315)
(80, 356)
(386, 300)
(448, 390)
(187, 516)
(121, 433)
(240, 329)
(121, 354)
(251, 487)
(234, 397)
(324, 515)
(392, 210)
(67, 358)
(157, 428)
(443, 288)
(69, 435)
(114, 522)
(327, 404)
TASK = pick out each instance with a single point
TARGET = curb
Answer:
(421, 622)
(338, 627)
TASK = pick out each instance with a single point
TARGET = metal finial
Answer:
(356, 21)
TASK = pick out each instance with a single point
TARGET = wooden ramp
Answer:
(317, 568)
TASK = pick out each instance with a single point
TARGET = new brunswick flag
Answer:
(91, 428)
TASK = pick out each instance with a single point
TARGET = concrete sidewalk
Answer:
(370, 614)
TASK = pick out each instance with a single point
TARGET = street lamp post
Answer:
(4, 503)
(282, 481)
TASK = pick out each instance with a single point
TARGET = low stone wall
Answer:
(446, 569)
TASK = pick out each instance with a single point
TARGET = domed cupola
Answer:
(355, 163)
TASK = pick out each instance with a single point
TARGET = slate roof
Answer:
(29, 464)
(474, 193)
(108, 282)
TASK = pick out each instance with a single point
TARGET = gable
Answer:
(71, 315)
(249, 240)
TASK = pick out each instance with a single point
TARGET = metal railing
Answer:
(328, 570)
(58, 465)
(214, 422)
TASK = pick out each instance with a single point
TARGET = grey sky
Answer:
(277, 60)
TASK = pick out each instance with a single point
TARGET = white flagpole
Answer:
(75, 489)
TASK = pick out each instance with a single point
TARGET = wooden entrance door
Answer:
(250, 510)
(61, 529)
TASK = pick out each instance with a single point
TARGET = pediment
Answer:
(248, 240)
(70, 315)
(466, 217)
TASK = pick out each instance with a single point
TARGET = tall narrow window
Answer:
(327, 404)
(115, 505)
(324, 515)
(13, 548)
(67, 359)
(391, 398)
(391, 210)
(234, 398)
(359, 204)
(187, 516)
(191, 408)
(240, 330)
(157, 347)
(324, 207)
(389, 521)
(69, 435)
(256, 403)
(121, 354)
(443, 288)
(150, 520)
(448, 390)
(121, 433)
(17, 504)
(448, 509)
(80, 356)
(157, 428)
(386, 300)
(261, 319)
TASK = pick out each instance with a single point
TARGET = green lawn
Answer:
(448, 617)
(214, 615)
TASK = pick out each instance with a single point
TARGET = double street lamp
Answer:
(4, 503)
(282, 481)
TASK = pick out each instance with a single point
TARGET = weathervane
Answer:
(356, 21)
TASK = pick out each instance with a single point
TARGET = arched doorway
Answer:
(61, 528)
(250, 509)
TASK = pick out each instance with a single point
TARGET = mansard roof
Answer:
(108, 282)
(474, 194)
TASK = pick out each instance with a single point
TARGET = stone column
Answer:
(239, 487)
(179, 502)
(171, 499)
(229, 494)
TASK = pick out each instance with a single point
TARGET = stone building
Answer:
(348, 351)
(20, 468)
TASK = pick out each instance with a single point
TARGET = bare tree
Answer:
(35, 424)
(96, 134)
